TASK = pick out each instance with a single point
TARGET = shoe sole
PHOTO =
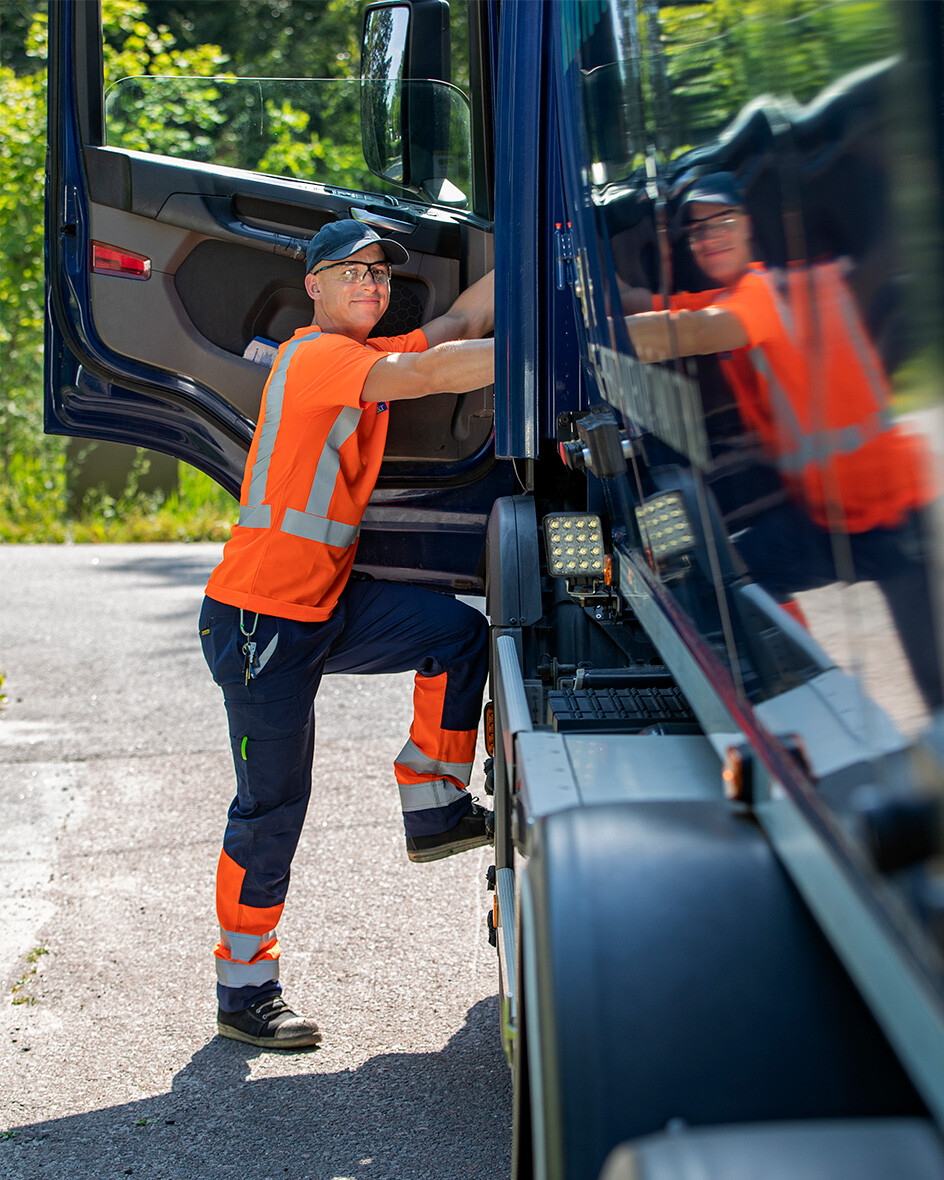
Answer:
(425, 855)
(299, 1041)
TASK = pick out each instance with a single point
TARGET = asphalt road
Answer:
(115, 776)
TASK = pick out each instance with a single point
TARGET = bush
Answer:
(34, 499)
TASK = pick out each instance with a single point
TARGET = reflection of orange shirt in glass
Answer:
(812, 385)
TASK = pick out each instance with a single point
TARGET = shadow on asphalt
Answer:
(400, 1116)
(173, 569)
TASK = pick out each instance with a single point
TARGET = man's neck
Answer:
(336, 331)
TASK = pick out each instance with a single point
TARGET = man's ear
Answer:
(312, 286)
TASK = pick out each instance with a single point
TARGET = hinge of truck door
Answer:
(564, 256)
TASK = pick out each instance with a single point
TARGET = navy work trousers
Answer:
(377, 627)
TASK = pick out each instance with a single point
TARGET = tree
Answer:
(27, 458)
(32, 472)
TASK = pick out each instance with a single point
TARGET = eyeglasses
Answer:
(356, 272)
(711, 227)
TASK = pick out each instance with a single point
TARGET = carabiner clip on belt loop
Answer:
(242, 624)
(249, 647)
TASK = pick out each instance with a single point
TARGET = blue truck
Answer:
(717, 898)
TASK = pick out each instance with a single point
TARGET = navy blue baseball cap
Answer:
(340, 239)
(717, 188)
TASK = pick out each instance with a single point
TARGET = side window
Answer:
(261, 87)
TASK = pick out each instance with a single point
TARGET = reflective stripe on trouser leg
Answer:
(434, 767)
(247, 955)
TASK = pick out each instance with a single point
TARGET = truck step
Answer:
(620, 710)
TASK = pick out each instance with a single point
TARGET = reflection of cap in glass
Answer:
(717, 188)
(340, 239)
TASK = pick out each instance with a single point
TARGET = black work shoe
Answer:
(269, 1022)
(477, 827)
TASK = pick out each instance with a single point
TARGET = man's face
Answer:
(720, 237)
(352, 309)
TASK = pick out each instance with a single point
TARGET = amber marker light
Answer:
(490, 729)
(110, 260)
(736, 776)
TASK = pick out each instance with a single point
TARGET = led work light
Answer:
(574, 543)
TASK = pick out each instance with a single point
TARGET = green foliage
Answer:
(33, 486)
(198, 509)
(270, 38)
(718, 55)
(152, 113)
(16, 17)
(22, 163)
(289, 107)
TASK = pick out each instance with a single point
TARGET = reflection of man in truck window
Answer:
(282, 608)
(808, 380)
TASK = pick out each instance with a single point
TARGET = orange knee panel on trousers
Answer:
(427, 733)
(232, 915)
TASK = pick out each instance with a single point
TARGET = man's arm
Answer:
(456, 366)
(663, 335)
(470, 317)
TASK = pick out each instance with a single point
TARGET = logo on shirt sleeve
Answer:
(381, 406)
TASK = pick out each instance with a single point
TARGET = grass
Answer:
(32, 959)
(34, 507)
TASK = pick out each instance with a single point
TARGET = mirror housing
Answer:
(414, 124)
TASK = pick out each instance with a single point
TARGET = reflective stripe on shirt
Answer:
(798, 447)
(254, 514)
(313, 523)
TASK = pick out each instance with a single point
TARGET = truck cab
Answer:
(717, 894)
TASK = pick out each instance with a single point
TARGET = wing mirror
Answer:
(415, 126)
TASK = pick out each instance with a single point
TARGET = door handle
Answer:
(214, 217)
(384, 221)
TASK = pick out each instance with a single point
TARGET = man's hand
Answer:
(652, 336)
(456, 361)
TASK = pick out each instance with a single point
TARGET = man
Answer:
(808, 380)
(281, 609)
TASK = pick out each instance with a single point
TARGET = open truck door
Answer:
(175, 246)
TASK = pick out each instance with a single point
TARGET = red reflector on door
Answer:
(109, 260)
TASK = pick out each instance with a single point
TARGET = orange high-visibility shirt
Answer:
(812, 385)
(311, 469)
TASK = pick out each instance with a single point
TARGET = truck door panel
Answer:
(227, 266)
(218, 281)
(167, 270)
